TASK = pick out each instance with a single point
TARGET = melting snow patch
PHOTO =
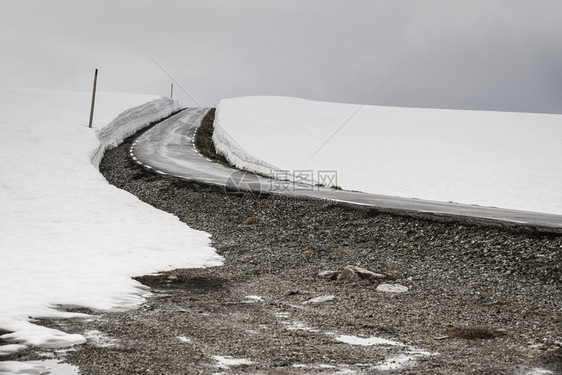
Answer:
(298, 326)
(346, 371)
(538, 371)
(45, 367)
(11, 348)
(99, 339)
(253, 299)
(340, 369)
(42, 337)
(392, 288)
(401, 360)
(227, 362)
(394, 362)
(354, 340)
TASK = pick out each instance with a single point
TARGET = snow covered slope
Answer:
(68, 237)
(508, 160)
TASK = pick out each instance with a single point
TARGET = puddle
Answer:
(45, 367)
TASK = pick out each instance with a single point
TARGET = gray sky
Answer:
(477, 54)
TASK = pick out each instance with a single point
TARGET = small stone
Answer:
(251, 220)
(330, 275)
(319, 299)
(348, 275)
(392, 288)
(354, 273)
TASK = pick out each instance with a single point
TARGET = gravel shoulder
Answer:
(500, 285)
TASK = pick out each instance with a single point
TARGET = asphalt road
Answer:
(169, 148)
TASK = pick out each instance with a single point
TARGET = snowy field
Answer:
(500, 159)
(68, 237)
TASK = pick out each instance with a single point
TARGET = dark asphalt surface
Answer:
(169, 148)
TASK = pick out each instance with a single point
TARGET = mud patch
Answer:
(194, 282)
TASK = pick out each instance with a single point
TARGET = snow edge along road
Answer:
(130, 122)
(231, 150)
(150, 151)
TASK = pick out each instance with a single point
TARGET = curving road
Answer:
(169, 148)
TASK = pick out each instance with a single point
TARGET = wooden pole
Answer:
(93, 98)
(172, 91)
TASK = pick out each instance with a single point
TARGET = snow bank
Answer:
(509, 160)
(236, 154)
(131, 121)
(68, 237)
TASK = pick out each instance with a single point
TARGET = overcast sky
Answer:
(489, 55)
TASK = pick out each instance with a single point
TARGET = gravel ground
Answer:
(502, 286)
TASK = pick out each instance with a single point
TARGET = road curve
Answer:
(169, 148)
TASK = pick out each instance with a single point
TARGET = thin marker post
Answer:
(93, 98)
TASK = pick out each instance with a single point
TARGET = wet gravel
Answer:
(504, 284)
